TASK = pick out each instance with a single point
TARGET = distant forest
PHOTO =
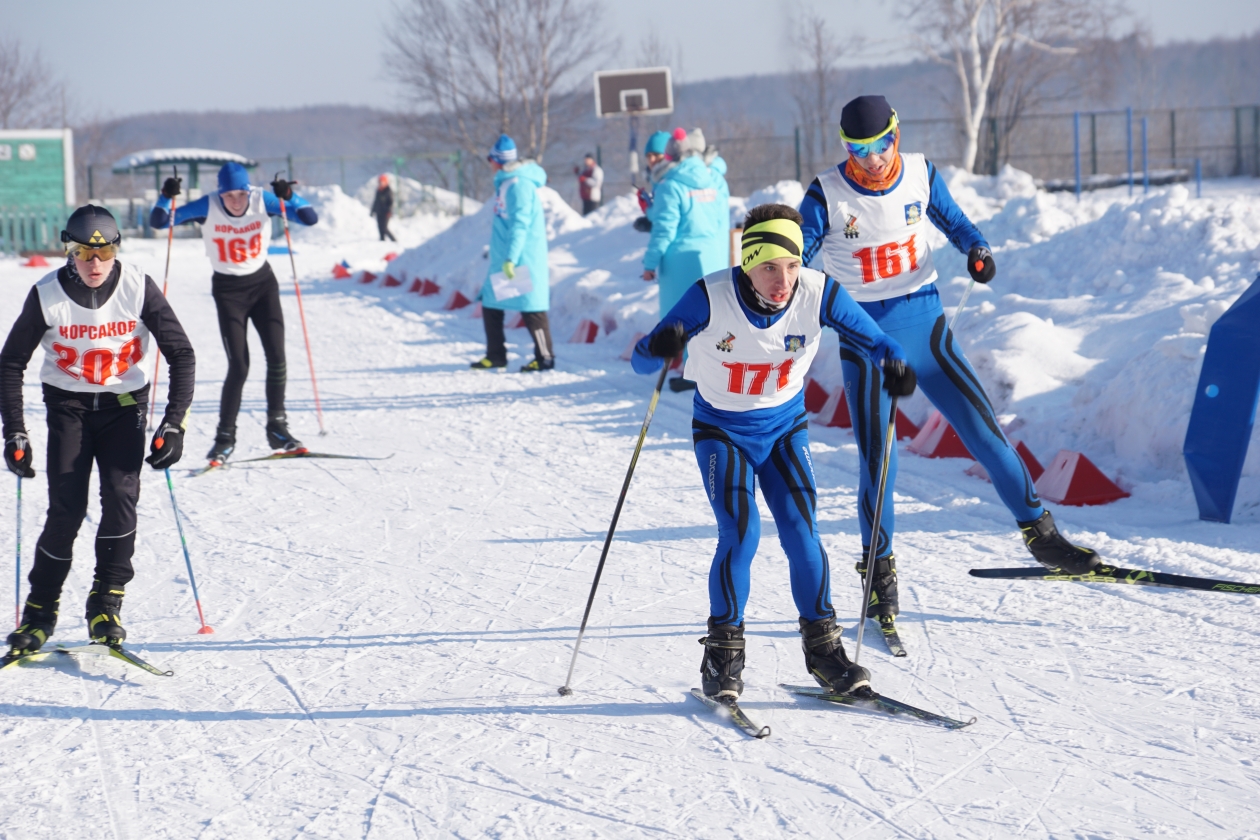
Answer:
(737, 110)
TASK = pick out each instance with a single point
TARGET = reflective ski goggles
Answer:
(87, 253)
(876, 145)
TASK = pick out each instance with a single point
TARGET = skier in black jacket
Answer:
(94, 317)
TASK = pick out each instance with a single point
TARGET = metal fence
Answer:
(31, 228)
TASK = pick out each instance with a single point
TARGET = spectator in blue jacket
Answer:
(518, 252)
(688, 233)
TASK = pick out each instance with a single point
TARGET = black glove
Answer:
(899, 378)
(980, 264)
(282, 188)
(171, 186)
(18, 456)
(167, 446)
(668, 341)
(643, 224)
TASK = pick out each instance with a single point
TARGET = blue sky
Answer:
(156, 56)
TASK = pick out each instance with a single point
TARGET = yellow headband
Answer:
(770, 240)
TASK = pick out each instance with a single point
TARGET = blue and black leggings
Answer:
(952, 386)
(728, 462)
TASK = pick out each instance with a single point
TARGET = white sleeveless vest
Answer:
(739, 367)
(237, 244)
(877, 247)
(95, 350)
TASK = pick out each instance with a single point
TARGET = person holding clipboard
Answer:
(517, 278)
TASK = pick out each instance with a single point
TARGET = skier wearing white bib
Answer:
(751, 333)
(236, 227)
(866, 220)
(94, 318)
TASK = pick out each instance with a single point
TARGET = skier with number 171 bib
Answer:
(236, 227)
(751, 333)
(865, 219)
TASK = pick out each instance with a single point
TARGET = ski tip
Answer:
(564, 691)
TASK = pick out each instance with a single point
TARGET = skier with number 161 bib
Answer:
(236, 227)
(751, 333)
(865, 220)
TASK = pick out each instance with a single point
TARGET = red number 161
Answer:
(886, 261)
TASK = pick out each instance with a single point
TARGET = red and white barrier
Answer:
(585, 333)
(815, 396)
(392, 282)
(628, 353)
(340, 272)
(457, 300)
(937, 439)
(1072, 479)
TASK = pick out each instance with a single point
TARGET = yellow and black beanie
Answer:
(769, 240)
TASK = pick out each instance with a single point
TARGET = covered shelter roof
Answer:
(162, 157)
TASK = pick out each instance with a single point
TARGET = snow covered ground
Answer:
(390, 635)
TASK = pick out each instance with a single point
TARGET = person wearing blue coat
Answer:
(518, 251)
(688, 231)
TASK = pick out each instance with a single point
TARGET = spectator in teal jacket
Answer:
(518, 251)
(690, 224)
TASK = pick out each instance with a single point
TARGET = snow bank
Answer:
(412, 197)
(343, 219)
(1091, 334)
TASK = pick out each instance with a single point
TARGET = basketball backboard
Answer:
(641, 92)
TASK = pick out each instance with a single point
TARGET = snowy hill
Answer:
(389, 635)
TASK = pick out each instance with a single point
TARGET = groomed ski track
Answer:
(390, 635)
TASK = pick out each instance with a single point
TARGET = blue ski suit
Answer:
(770, 446)
(917, 321)
(519, 234)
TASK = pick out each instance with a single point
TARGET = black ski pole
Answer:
(890, 440)
(564, 690)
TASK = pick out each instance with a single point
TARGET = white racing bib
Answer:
(877, 247)
(95, 350)
(740, 367)
(237, 244)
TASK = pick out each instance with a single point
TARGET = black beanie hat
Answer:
(865, 117)
(91, 225)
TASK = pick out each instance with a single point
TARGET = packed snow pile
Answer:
(345, 219)
(412, 197)
(1091, 334)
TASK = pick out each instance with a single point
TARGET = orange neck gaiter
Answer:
(868, 181)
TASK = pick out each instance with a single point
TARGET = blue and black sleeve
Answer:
(194, 211)
(296, 208)
(817, 222)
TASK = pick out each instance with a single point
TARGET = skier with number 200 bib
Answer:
(751, 333)
(94, 317)
(236, 227)
(865, 219)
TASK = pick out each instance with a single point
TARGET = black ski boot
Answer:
(224, 444)
(722, 668)
(826, 660)
(883, 588)
(278, 436)
(38, 623)
(1052, 550)
(104, 616)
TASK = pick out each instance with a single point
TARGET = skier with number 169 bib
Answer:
(752, 332)
(865, 220)
(236, 226)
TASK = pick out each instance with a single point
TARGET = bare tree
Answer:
(816, 51)
(471, 69)
(30, 96)
(974, 37)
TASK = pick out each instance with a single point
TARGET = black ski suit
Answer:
(83, 428)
